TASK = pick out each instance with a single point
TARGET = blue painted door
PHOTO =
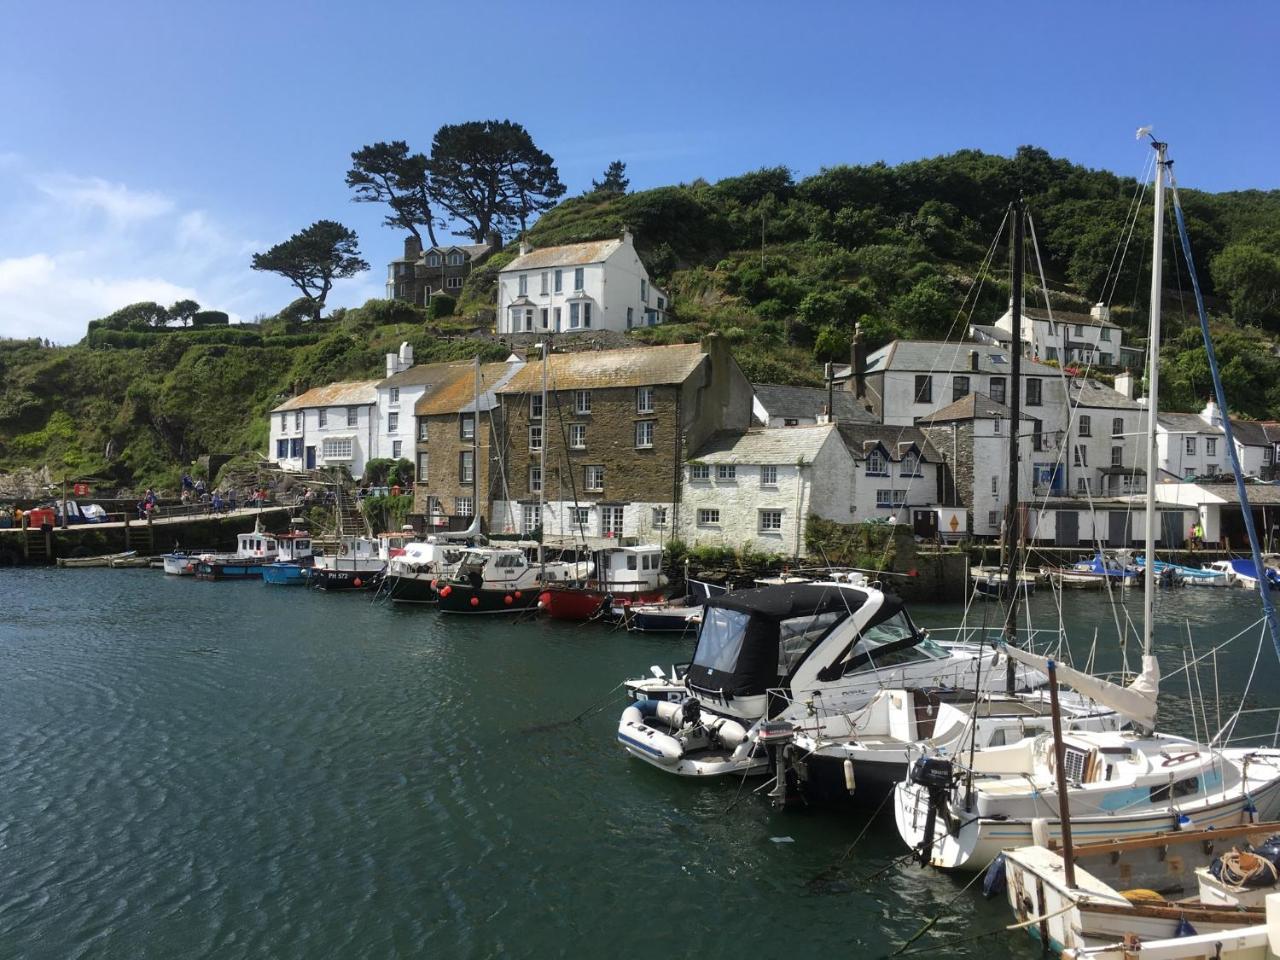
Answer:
(311, 458)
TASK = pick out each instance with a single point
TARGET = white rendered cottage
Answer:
(754, 489)
(578, 287)
(330, 426)
(1090, 338)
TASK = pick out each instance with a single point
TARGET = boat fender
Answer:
(507, 600)
(850, 784)
(1040, 832)
(1184, 928)
(475, 601)
(994, 883)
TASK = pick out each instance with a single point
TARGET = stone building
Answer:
(611, 435)
(459, 463)
(421, 274)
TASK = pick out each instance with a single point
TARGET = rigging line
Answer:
(1127, 231)
(1264, 588)
(564, 458)
(1204, 719)
(1226, 731)
(1073, 418)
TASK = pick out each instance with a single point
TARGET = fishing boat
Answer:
(960, 813)
(102, 561)
(253, 552)
(179, 563)
(500, 580)
(828, 645)
(620, 577)
(357, 565)
(1169, 885)
(412, 576)
(292, 561)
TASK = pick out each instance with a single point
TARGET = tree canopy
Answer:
(614, 180)
(314, 258)
(490, 176)
(388, 173)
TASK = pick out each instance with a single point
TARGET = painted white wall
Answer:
(557, 515)
(1102, 437)
(1048, 341)
(901, 409)
(611, 286)
(866, 502)
(304, 425)
(406, 426)
(991, 473)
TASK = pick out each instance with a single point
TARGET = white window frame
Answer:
(424, 464)
(535, 406)
(353, 416)
(582, 402)
(877, 464)
(709, 516)
(699, 472)
(659, 517)
(535, 479)
(593, 477)
(726, 473)
(769, 475)
(580, 517)
(535, 436)
(644, 399)
(579, 279)
(769, 520)
(397, 448)
(577, 436)
(393, 422)
(1190, 446)
(322, 417)
(644, 434)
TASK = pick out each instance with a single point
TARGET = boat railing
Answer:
(993, 634)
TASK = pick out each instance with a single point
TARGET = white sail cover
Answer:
(1137, 701)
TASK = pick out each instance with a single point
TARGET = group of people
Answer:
(148, 504)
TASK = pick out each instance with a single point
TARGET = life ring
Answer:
(1179, 758)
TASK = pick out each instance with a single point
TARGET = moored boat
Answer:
(253, 552)
(101, 561)
(357, 565)
(500, 580)
(623, 577)
(292, 561)
(179, 563)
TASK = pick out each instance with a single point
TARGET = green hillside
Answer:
(782, 267)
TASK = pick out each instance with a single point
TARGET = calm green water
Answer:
(230, 770)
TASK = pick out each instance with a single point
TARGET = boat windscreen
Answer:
(888, 642)
(720, 640)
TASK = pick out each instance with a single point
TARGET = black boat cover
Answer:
(737, 651)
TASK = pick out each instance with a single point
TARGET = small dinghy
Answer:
(102, 561)
(680, 737)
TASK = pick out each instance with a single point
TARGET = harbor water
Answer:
(232, 770)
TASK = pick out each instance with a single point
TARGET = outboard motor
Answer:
(690, 712)
(776, 735)
(935, 775)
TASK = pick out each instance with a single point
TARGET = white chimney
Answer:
(393, 364)
(1100, 311)
(524, 247)
(406, 355)
(1210, 414)
(1125, 384)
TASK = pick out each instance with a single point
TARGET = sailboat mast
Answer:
(475, 446)
(1011, 532)
(1153, 403)
(542, 469)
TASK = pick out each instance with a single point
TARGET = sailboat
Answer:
(1117, 784)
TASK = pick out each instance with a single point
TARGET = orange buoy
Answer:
(357, 583)
(475, 601)
(433, 584)
(517, 594)
(507, 599)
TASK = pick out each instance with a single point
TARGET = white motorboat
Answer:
(502, 580)
(829, 647)
(357, 565)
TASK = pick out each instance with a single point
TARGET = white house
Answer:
(1217, 507)
(578, 287)
(1104, 438)
(895, 470)
(1191, 445)
(754, 489)
(330, 426)
(910, 379)
(1090, 338)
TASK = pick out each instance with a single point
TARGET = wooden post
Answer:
(1064, 811)
(48, 544)
(26, 546)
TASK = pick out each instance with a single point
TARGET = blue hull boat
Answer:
(285, 574)
(229, 569)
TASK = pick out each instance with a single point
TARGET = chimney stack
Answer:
(1125, 384)
(973, 360)
(406, 355)
(858, 363)
(1100, 311)
(412, 248)
(524, 247)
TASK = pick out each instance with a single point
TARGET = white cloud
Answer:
(91, 195)
(80, 247)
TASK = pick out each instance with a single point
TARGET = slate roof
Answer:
(771, 445)
(595, 369)
(1187, 423)
(568, 255)
(1062, 316)
(973, 406)
(350, 393)
(801, 402)
(1259, 493)
(995, 333)
(860, 439)
(423, 374)
(937, 356)
(1091, 393)
(1250, 433)
(456, 393)
(472, 250)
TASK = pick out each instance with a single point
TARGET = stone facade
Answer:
(421, 274)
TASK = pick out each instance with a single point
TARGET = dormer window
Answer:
(433, 259)
(455, 259)
(876, 465)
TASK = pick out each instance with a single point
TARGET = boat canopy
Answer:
(751, 639)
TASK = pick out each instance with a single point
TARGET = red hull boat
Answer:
(584, 603)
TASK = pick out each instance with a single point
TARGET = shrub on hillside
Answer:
(442, 305)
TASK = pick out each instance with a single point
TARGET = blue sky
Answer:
(147, 149)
